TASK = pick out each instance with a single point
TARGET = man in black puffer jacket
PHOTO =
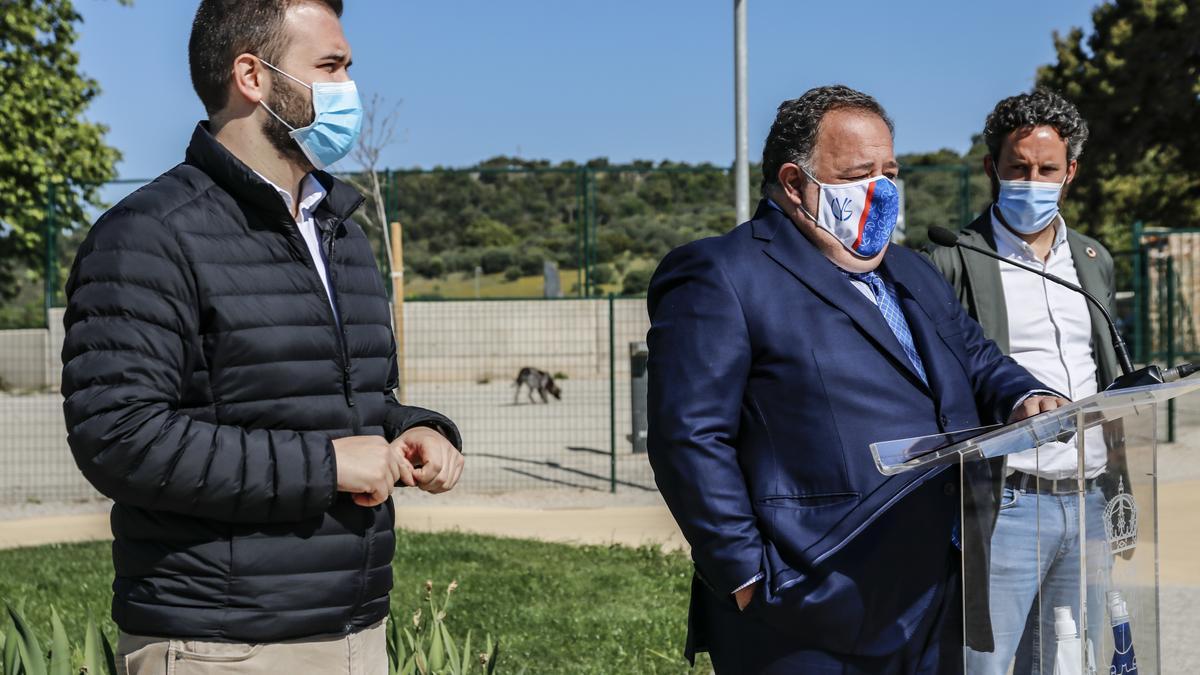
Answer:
(230, 367)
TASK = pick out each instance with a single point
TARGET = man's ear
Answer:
(1072, 167)
(791, 181)
(989, 166)
(250, 83)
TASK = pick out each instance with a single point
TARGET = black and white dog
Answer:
(536, 380)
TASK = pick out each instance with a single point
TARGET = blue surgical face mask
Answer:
(861, 214)
(337, 120)
(1028, 206)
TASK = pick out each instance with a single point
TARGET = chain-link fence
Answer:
(540, 389)
(510, 268)
(1166, 313)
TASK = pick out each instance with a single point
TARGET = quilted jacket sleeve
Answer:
(131, 327)
(400, 418)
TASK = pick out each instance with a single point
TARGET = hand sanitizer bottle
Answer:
(1123, 660)
(1068, 657)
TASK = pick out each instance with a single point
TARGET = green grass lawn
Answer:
(555, 608)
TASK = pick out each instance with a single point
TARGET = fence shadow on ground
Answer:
(602, 480)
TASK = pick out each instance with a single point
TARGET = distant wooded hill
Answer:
(508, 215)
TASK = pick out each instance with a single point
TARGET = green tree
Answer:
(488, 232)
(1136, 79)
(47, 150)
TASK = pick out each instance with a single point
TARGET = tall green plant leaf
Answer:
(10, 649)
(451, 649)
(493, 652)
(110, 657)
(466, 655)
(437, 652)
(33, 659)
(60, 648)
(93, 652)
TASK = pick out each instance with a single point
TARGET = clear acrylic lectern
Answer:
(1059, 534)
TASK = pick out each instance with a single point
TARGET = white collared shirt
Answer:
(312, 193)
(1050, 334)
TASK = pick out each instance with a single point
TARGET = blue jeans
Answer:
(1019, 574)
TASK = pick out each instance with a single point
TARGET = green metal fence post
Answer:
(580, 229)
(1141, 298)
(1170, 342)
(965, 214)
(612, 394)
(391, 199)
(51, 235)
(964, 197)
(589, 231)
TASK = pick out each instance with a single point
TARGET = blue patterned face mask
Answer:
(861, 214)
(336, 123)
(1028, 206)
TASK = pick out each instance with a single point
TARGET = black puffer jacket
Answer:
(204, 379)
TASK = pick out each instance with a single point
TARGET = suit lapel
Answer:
(1087, 269)
(786, 245)
(983, 278)
(1091, 279)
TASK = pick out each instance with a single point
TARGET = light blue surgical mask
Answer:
(1028, 206)
(337, 120)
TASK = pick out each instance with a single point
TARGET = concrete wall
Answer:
(445, 341)
(25, 361)
(54, 374)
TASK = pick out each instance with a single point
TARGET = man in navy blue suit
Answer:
(778, 353)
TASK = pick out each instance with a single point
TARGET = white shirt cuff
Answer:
(753, 580)
(1027, 396)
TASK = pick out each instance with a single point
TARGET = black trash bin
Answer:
(638, 379)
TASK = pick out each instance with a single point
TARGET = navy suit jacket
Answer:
(770, 375)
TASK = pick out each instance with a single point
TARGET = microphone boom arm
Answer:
(1118, 341)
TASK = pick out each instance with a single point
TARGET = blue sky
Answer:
(623, 79)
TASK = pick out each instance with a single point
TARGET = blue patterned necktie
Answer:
(890, 308)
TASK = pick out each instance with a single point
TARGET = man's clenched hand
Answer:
(368, 468)
(438, 464)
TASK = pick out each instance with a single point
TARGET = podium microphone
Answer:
(1151, 374)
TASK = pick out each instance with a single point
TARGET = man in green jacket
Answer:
(1034, 142)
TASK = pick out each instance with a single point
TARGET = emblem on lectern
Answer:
(1120, 520)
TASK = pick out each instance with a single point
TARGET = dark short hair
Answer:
(797, 122)
(1041, 107)
(223, 29)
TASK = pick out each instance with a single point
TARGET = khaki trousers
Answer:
(361, 653)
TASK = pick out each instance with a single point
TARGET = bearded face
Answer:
(295, 107)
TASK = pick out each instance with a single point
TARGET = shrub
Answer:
(428, 646)
(430, 268)
(461, 260)
(532, 260)
(602, 274)
(636, 282)
(425, 648)
(495, 260)
(488, 232)
(23, 653)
